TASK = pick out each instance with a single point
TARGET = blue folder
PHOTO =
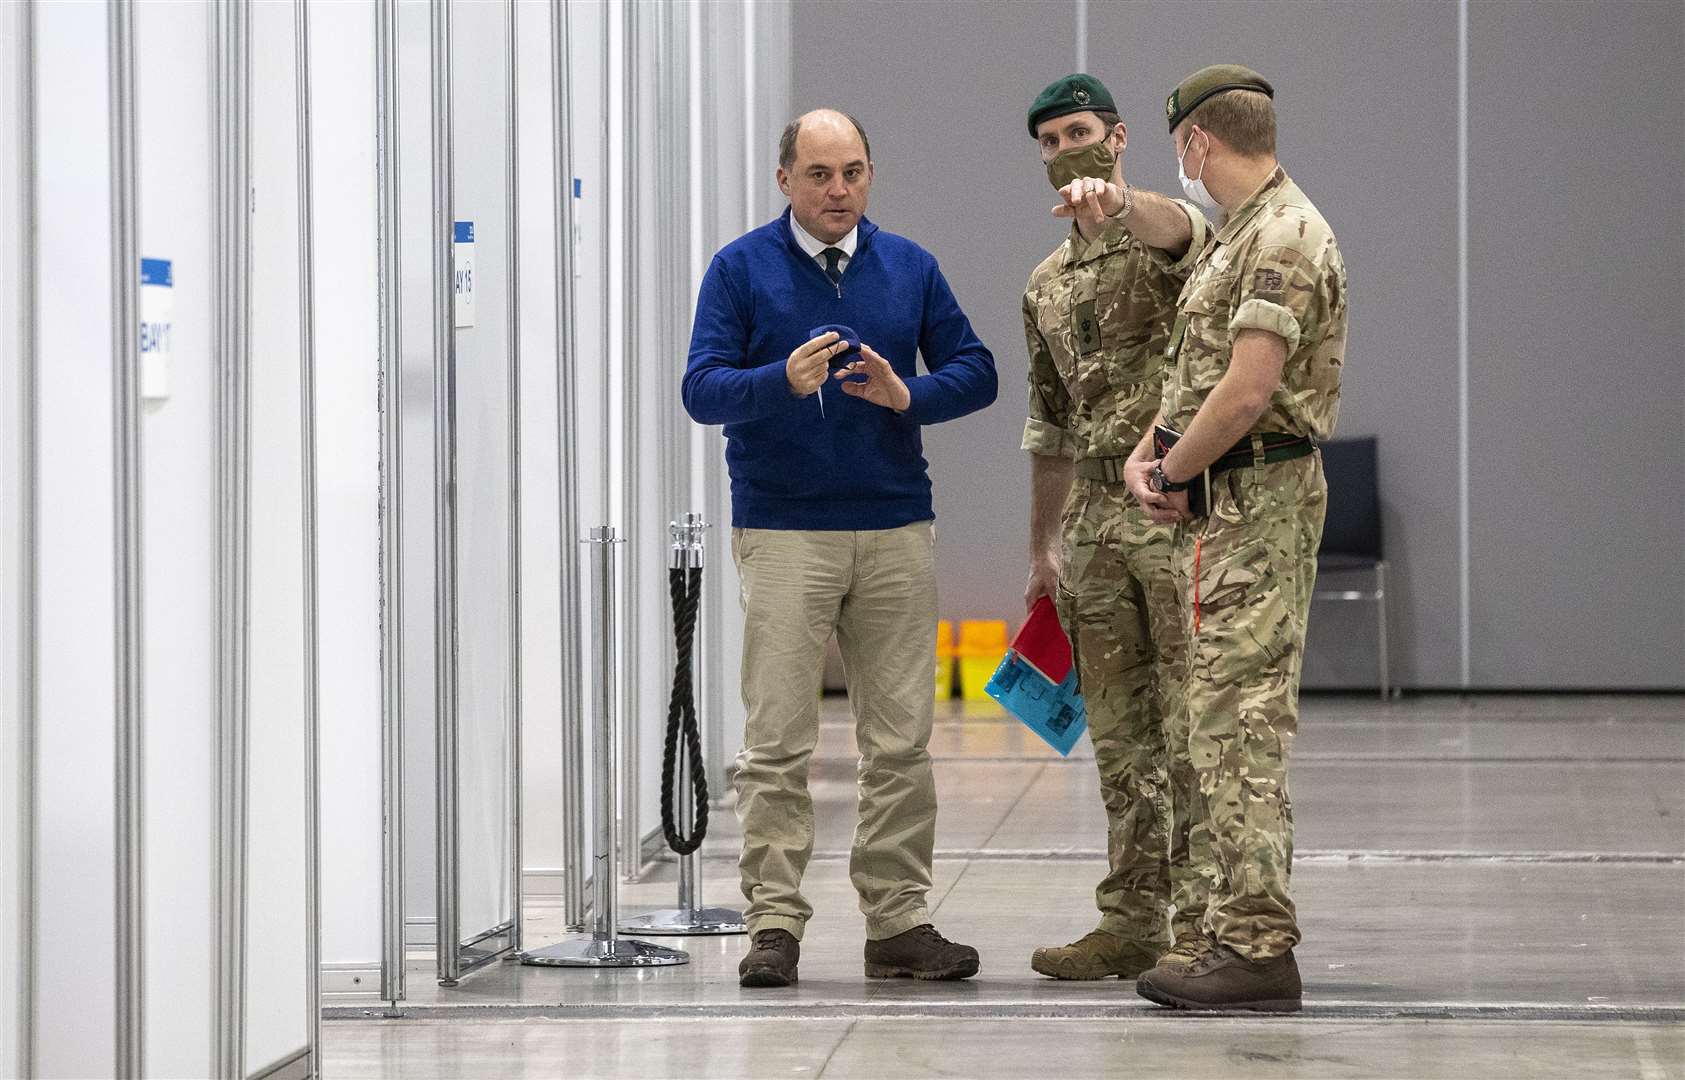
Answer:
(1053, 711)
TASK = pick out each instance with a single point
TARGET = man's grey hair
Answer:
(787, 144)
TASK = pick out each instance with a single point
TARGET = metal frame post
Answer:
(573, 730)
(631, 832)
(232, 58)
(512, 215)
(604, 948)
(125, 347)
(689, 552)
(27, 691)
(392, 986)
(449, 936)
(312, 602)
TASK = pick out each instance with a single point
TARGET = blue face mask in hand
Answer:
(847, 334)
(848, 356)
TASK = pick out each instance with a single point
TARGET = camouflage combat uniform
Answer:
(1245, 572)
(1097, 318)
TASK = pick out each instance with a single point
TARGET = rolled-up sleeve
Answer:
(1278, 294)
(1047, 430)
(1179, 268)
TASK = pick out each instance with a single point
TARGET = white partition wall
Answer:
(147, 815)
(349, 393)
(410, 526)
(179, 529)
(74, 1008)
(549, 661)
(477, 432)
(279, 963)
(218, 601)
(676, 111)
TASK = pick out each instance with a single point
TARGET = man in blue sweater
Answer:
(833, 533)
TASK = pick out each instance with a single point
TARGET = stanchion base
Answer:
(620, 952)
(678, 922)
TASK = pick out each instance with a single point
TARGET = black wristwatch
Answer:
(1160, 482)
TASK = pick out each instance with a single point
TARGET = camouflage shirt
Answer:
(1097, 317)
(1273, 266)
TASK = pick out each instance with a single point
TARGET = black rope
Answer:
(681, 715)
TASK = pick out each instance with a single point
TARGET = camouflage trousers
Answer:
(1244, 577)
(1117, 601)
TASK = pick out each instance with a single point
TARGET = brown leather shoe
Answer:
(920, 953)
(1098, 955)
(771, 960)
(1222, 979)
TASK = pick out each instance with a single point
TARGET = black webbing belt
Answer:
(1259, 448)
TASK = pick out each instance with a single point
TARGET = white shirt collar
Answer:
(816, 247)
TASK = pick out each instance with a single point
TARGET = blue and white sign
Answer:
(157, 327)
(462, 249)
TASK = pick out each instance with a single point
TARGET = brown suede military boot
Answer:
(1098, 955)
(771, 960)
(1222, 979)
(1188, 948)
(920, 953)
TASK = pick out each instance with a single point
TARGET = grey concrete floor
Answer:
(1488, 887)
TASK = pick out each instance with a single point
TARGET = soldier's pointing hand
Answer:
(1092, 201)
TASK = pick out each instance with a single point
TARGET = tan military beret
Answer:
(1207, 81)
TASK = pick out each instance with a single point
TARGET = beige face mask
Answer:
(1095, 160)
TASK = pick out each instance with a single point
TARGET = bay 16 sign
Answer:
(462, 274)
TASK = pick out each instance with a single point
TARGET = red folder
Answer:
(1041, 642)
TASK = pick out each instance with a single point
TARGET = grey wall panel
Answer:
(1368, 130)
(943, 101)
(1577, 210)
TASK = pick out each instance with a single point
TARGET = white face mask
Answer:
(1195, 188)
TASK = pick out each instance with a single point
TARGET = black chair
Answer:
(1351, 535)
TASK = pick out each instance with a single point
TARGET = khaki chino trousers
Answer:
(876, 591)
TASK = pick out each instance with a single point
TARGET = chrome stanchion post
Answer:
(688, 918)
(603, 948)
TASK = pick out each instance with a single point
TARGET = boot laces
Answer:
(768, 939)
(1191, 949)
(927, 932)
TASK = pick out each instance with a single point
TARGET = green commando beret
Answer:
(1208, 81)
(1072, 94)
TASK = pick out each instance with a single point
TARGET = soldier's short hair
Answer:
(787, 142)
(1243, 119)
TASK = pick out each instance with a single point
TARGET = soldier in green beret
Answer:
(1097, 317)
(1256, 352)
